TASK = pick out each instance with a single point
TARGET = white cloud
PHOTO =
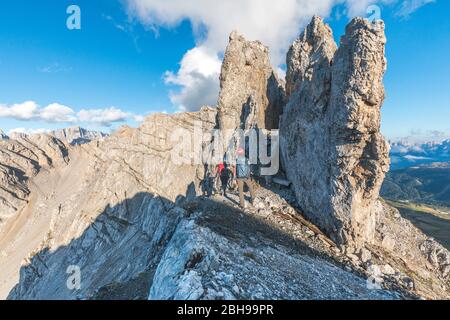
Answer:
(58, 113)
(410, 6)
(22, 111)
(105, 117)
(198, 76)
(275, 23)
(419, 136)
(415, 158)
(27, 131)
(281, 73)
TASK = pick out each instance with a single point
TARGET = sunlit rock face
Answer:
(331, 143)
(98, 206)
(21, 158)
(247, 73)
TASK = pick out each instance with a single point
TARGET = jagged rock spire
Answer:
(332, 147)
(247, 72)
(315, 45)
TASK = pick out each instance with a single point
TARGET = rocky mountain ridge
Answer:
(133, 223)
(71, 135)
(22, 159)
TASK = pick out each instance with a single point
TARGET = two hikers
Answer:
(217, 178)
(224, 173)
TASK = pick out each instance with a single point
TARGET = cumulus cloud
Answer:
(198, 76)
(106, 117)
(27, 131)
(275, 23)
(22, 111)
(58, 113)
(410, 6)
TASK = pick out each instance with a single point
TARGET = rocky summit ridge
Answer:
(134, 224)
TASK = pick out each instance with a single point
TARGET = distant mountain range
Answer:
(71, 135)
(420, 173)
(77, 135)
(405, 154)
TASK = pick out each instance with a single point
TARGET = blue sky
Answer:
(127, 62)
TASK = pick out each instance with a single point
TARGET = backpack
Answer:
(242, 168)
(225, 173)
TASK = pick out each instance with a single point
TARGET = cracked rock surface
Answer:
(331, 143)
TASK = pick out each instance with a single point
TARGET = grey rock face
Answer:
(246, 72)
(148, 152)
(361, 154)
(178, 254)
(201, 263)
(423, 259)
(303, 129)
(331, 143)
(142, 225)
(14, 191)
(101, 197)
(309, 55)
(21, 159)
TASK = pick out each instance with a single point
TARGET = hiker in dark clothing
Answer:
(225, 175)
(207, 184)
(243, 176)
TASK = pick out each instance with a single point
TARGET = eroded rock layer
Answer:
(21, 158)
